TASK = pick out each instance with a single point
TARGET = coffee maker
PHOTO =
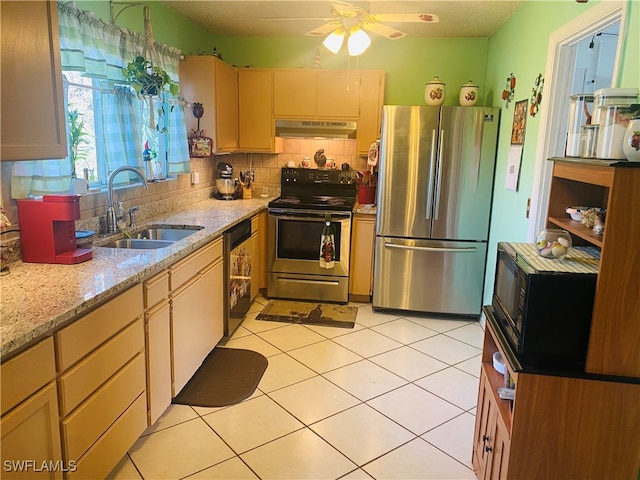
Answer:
(226, 185)
(48, 231)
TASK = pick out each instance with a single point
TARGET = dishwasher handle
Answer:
(238, 234)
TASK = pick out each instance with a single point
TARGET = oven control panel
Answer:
(306, 175)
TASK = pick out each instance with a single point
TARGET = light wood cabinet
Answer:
(264, 239)
(338, 94)
(361, 262)
(102, 380)
(214, 83)
(33, 115)
(255, 110)
(157, 332)
(557, 427)
(370, 116)
(255, 256)
(197, 320)
(615, 325)
(295, 93)
(29, 424)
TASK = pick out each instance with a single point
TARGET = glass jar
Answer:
(631, 142)
(553, 243)
(589, 141)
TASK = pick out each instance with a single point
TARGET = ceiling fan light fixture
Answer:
(358, 41)
(334, 41)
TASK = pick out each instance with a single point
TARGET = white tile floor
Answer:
(393, 398)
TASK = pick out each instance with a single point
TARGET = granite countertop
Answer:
(365, 209)
(38, 299)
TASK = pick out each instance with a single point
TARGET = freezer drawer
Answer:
(429, 276)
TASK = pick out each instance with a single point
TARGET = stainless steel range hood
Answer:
(313, 129)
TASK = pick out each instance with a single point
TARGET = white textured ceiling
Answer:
(458, 18)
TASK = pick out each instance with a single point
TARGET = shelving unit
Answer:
(575, 425)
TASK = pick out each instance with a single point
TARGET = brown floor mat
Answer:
(311, 313)
(226, 377)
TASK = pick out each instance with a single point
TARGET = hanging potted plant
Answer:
(148, 79)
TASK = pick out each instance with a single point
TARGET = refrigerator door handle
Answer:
(438, 177)
(432, 161)
(431, 249)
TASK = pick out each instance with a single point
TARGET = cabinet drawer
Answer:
(155, 289)
(185, 269)
(86, 424)
(105, 454)
(26, 373)
(84, 378)
(93, 329)
(255, 224)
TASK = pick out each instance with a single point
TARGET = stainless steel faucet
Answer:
(112, 208)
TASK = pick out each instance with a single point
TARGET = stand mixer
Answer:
(226, 185)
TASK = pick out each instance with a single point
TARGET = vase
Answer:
(631, 142)
(434, 92)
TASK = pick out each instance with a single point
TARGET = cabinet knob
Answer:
(487, 448)
(485, 438)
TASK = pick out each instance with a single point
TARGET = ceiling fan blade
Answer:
(297, 18)
(384, 30)
(406, 17)
(322, 30)
(344, 8)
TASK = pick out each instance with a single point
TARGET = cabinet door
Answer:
(30, 433)
(486, 417)
(500, 453)
(196, 322)
(264, 237)
(255, 115)
(255, 256)
(338, 94)
(33, 116)
(158, 353)
(226, 84)
(295, 93)
(362, 245)
(371, 100)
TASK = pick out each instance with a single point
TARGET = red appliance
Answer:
(48, 230)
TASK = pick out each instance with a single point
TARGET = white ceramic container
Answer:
(434, 92)
(468, 94)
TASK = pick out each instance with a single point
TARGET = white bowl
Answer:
(498, 363)
(575, 212)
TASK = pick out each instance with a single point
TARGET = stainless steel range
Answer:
(310, 235)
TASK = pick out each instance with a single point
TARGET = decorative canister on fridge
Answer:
(434, 92)
(631, 143)
(468, 94)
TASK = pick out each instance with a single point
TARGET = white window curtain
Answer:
(100, 50)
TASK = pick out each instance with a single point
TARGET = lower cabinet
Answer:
(197, 317)
(101, 385)
(256, 257)
(29, 424)
(363, 234)
(558, 426)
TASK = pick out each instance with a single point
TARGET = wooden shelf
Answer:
(577, 229)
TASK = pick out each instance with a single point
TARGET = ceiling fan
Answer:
(351, 21)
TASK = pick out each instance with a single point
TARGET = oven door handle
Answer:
(309, 215)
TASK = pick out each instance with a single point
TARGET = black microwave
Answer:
(544, 306)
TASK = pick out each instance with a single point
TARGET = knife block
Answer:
(48, 231)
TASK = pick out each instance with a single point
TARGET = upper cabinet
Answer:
(33, 116)
(255, 104)
(370, 115)
(214, 83)
(316, 94)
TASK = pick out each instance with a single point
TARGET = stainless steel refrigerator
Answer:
(435, 187)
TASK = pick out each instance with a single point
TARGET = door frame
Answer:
(558, 76)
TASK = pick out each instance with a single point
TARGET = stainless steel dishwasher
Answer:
(237, 274)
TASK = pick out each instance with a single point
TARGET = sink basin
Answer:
(138, 243)
(167, 232)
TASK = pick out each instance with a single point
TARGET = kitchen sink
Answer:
(159, 236)
(138, 243)
(167, 232)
